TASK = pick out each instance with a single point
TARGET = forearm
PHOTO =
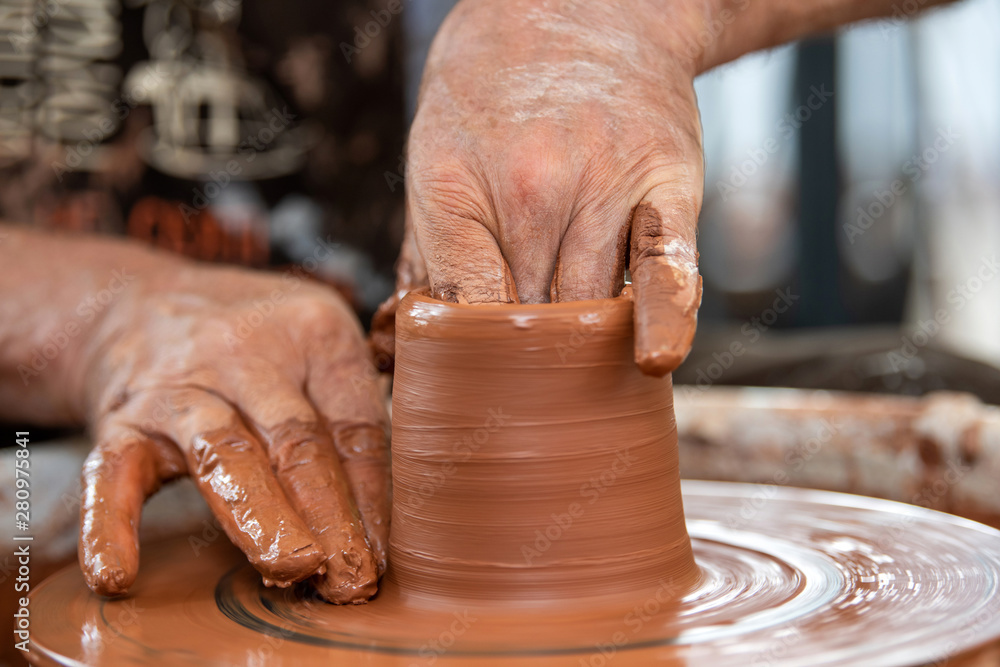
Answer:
(645, 35)
(750, 25)
(54, 293)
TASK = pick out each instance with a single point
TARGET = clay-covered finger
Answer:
(124, 469)
(593, 255)
(665, 281)
(309, 469)
(233, 472)
(464, 262)
(364, 454)
(343, 387)
(534, 202)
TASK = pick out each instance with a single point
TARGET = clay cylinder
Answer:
(532, 460)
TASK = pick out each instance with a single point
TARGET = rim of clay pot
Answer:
(421, 306)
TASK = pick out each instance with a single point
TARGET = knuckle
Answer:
(216, 450)
(98, 465)
(443, 194)
(658, 230)
(647, 231)
(361, 441)
(106, 459)
(318, 316)
(296, 443)
(534, 172)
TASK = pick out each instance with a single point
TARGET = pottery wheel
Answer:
(788, 577)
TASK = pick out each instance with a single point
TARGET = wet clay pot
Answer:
(532, 461)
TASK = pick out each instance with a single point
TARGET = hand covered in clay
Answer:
(557, 143)
(261, 389)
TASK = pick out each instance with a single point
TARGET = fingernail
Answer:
(658, 362)
(108, 579)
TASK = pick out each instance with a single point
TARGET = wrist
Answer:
(744, 26)
(693, 34)
(733, 28)
(55, 290)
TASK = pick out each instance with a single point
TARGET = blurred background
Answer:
(849, 236)
(850, 224)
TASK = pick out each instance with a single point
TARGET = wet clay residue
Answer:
(537, 519)
(532, 459)
(667, 291)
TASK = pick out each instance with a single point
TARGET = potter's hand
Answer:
(556, 144)
(261, 389)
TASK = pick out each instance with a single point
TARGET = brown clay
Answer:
(531, 428)
(783, 576)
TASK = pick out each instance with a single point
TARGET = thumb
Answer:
(666, 286)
